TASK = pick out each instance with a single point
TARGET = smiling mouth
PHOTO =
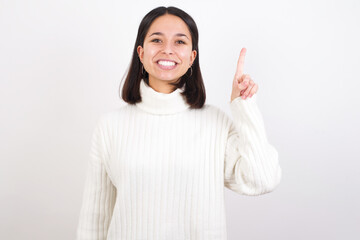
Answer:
(166, 65)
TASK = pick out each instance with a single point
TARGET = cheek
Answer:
(149, 52)
(185, 55)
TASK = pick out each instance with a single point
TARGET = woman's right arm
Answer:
(99, 194)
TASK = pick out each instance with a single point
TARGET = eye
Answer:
(155, 40)
(181, 42)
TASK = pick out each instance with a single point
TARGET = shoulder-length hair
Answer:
(194, 90)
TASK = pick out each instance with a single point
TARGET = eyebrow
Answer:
(178, 34)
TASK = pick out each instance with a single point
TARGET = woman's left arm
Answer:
(251, 162)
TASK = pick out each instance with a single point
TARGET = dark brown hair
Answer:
(194, 86)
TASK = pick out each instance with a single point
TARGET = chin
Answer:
(169, 78)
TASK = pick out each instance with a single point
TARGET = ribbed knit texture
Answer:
(157, 170)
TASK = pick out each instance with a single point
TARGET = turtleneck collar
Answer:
(161, 103)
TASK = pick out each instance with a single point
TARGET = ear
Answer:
(140, 51)
(193, 56)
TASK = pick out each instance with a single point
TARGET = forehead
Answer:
(169, 24)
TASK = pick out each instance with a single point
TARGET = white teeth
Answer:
(166, 63)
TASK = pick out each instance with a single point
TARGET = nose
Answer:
(167, 48)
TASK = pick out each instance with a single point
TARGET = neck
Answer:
(161, 86)
(155, 102)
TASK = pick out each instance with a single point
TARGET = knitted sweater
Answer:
(157, 170)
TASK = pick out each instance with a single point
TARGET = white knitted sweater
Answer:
(157, 170)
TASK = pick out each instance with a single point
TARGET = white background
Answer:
(61, 63)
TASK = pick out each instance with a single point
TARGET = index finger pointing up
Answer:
(240, 64)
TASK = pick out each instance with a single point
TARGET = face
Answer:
(167, 50)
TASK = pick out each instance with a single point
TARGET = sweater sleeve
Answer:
(99, 194)
(251, 163)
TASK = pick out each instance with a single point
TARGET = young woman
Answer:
(158, 165)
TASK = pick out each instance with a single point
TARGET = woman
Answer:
(159, 164)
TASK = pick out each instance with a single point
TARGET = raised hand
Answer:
(243, 86)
